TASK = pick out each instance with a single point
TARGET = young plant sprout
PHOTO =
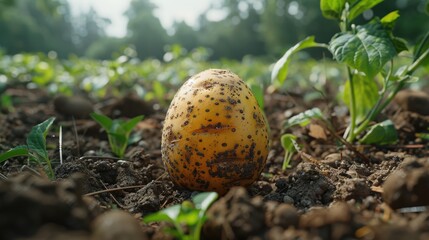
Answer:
(118, 131)
(189, 214)
(35, 148)
(288, 145)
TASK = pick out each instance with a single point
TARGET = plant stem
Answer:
(51, 173)
(351, 135)
(377, 110)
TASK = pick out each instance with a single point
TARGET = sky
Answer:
(168, 11)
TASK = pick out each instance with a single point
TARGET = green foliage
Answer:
(6, 103)
(189, 214)
(35, 149)
(367, 51)
(280, 69)
(367, 48)
(381, 133)
(258, 92)
(332, 9)
(118, 131)
(304, 118)
(366, 95)
(288, 144)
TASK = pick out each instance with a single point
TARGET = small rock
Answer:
(288, 199)
(285, 215)
(413, 101)
(75, 106)
(117, 225)
(243, 215)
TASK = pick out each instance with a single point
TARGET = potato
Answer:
(215, 135)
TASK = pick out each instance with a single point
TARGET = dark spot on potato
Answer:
(224, 144)
(232, 101)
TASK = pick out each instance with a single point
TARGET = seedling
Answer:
(6, 103)
(188, 215)
(288, 145)
(118, 131)
(367, 52)
(35, 149)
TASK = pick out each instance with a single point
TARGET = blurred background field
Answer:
(151, 47)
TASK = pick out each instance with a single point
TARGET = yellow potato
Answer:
(215, 135)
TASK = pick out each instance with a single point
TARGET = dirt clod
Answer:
(408, 186)
(235, 216)
(28, 202)
(117, 225)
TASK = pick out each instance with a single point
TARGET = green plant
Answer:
(6, 103)
(118, 131)
(288, 144)
(368, 53)
(188, 215)
(35, 149)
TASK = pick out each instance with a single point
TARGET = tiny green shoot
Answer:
(287, 141)
(188, 215)
(35, 148)
(118, 131)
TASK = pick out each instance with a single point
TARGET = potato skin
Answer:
(215, 135)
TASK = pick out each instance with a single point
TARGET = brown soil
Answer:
(330, 194)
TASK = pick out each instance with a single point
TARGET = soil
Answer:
(330, 192)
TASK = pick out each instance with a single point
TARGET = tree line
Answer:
(250, 27)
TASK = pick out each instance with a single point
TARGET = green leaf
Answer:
(424, 136)
(280, 69)
(421, 47)
(332, 9)
(290, 146)
(304, 118)
(367, 50)
(381, 134)
(427, 7)
(258, 92)
(390, 19)
(14, 152)
(168, 214)
(130, 124)
(287, 142)
(366, 95)
(204, 200)
(190, 218)
(361, 6)
(36, 140)
(103, 120)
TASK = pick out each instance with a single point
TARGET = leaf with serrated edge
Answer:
(367, 50)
